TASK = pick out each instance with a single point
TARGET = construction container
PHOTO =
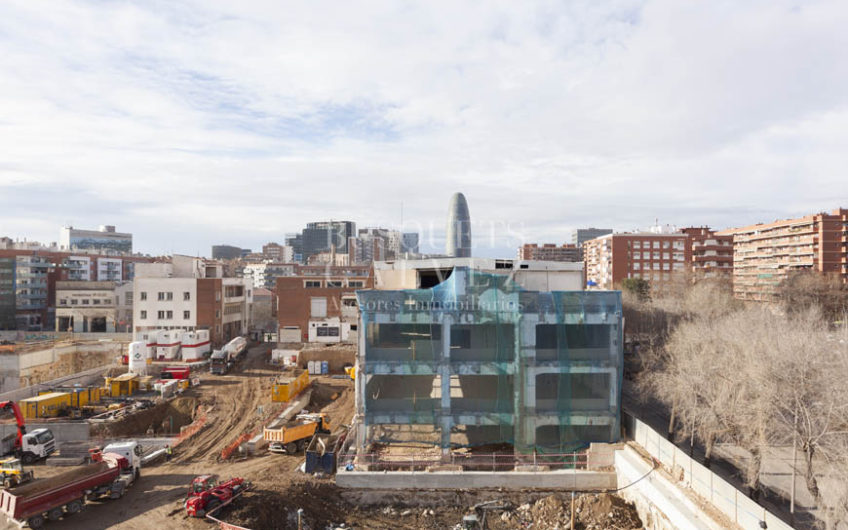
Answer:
(124, 385)
(287, 387)
(321, 454)
(47, 405)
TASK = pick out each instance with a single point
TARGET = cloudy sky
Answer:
(193, 123)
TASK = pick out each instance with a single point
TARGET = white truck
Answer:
(35, 445)
(130, 450)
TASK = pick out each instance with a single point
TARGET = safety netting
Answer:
(485, 362)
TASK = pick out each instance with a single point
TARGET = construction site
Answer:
(474, 404)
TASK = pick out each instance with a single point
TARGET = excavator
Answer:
(28, 446)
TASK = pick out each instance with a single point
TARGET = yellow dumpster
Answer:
(287, 387)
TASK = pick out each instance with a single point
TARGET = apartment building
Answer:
(190, 294)
(548, 252)
(319, 304)
(712, 254)
(651, 256)
(581, 235)
(33, 271)
(765, 254)
(264, 275)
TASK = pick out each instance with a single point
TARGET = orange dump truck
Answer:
(294, 435)
(287, 387)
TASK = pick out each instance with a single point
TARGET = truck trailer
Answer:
(296, 434)
(222, 360)
(66, 494)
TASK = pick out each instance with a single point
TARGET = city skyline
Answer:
(548, 118)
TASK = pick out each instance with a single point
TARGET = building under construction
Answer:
(484, 361)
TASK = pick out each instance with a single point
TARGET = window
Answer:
(160, 315)
(656, 266)
(96, 301)
(349, 302)
(356, 283)
(74, 301)
(169, 315)
(63, 302)
(328, 331)
(656, 255)
(186, 295)
(217, 296)
(143, 314)
(128, 298)
(637, 244)
(217, 313)
(318, 307)
(143, 295)
(186, 315)
(665, 244)
(169, 296)
(637, 266)
(161, 296)
(666, 266)
(334, 283)
(86, 301)
(656, 244)
(312, 284)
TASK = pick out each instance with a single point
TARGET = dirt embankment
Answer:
(162, 419)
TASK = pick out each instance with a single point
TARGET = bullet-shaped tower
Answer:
(458, 234)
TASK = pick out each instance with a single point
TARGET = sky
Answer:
(193, 123)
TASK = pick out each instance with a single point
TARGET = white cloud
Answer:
(190, 123)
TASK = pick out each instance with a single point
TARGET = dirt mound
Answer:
(591, 511)
(164, 418)
(270, 509)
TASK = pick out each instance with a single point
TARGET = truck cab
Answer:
(132, 451)
(219, 362)
(37, 444)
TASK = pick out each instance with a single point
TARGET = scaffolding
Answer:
(485, 362)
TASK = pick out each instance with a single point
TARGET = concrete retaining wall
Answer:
(64, 432)
(86, 378)
(549, 480)
(737, 506)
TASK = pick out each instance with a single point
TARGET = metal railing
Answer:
(490, 462)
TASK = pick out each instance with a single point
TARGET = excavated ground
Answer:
(239, 402)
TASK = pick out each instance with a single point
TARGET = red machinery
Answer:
(19, 418)
(204, 494)
(175, 372)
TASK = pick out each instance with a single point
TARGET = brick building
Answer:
(319, 303)
(765, 254)
(712, 254)
(650, 256)
(548, 252)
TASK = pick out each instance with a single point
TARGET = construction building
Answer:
(548, 252)
(190, 294)
(228, 252)
(319, 303)
(486, 358)
(765, 254)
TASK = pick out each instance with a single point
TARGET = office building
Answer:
(105, 240)
(458, 232)
(227, 252)
(326, 236)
